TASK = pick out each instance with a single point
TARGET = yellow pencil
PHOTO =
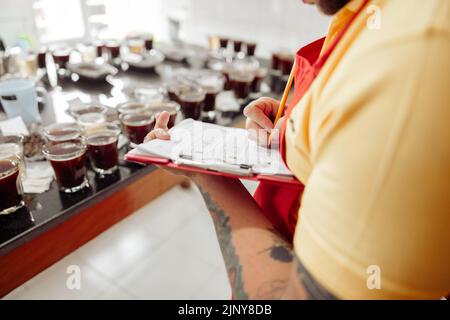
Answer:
(287, 90)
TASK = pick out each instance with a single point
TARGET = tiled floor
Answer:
(166, 250)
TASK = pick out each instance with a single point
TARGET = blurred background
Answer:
(274, 24)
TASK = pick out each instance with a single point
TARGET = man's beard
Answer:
(330, 7)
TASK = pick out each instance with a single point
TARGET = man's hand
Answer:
(161, 131)
(260, 115)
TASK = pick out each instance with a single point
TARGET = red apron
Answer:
(281, 203)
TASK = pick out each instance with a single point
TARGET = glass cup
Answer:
(68, 160)
(10, 187)
(255, 87)
(41, 57)
(137, 125)
(251, 48)
(78, 110)
(241, 83)
(223, 42)
(28, 64)
(61, 57)
(191, 102)
(148, 42)
(102, 149)
(89, 122)
(171, 107)
(62, 132)
(237, 46)
(136, 45)
(11, 148)
(131, 107)
(88, 53)
(286, 62)
(113, 49)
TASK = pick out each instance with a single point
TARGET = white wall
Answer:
(273, 24)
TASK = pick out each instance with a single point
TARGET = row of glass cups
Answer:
(70, 144)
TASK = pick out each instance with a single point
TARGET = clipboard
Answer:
(163, 153)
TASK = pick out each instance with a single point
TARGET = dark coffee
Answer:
(137, 126)
(223, 43)
(114, 50)
(227, 84)
(10, 196)
(286, 63)
(99, 48)
(241, 83)
(61, 58)
(237, 46)
(69, 163)
(41, 59)
(275, 61)
(241, 88)
(148, 43)
(103, 151)
(172, 93)
(256, 83)
(191, 104)
(251, 48)
(210, 101)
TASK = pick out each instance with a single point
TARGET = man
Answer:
(370, 140)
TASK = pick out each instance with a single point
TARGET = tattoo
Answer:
(272, 290)
(232, 261)
(280, 250)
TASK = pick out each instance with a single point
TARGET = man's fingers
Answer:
(159, 133)
(162, 121)
(256, 133)
(260, 111)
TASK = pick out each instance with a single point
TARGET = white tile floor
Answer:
(166, 250)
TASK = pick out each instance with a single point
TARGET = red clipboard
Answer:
(273, 179)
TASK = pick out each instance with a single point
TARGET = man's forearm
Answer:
(257, 258)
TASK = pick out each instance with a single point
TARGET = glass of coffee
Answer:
(137, 125)
(10, 188)
(11, 148)
(61, 57)
(251, 48)
(148, 42)
(131, 107)
(223, 42)
(68, 160)
(113, 49)
(191, 102)
(41, 57)
(62, 132)
(171, 107)
(102, 149)
(237, 46)
(286, 62)
(241, 83)
(255, 87)
(90, 122)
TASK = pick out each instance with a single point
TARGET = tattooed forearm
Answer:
(223, 230)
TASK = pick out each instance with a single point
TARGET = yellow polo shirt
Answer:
(371, 142)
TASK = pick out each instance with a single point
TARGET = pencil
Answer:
(287, 90)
